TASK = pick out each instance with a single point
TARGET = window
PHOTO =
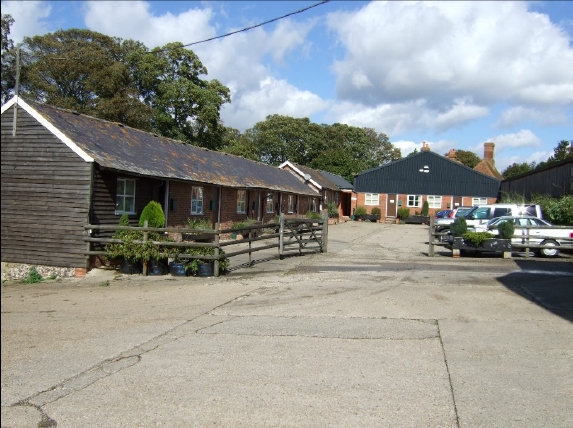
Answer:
(479, 201)
(414, 200)
(371, 199)
(290, 203)
(434, 201)
(270, 207)
(313, 205)
(125, 196)
(241, 201)
(197, 200)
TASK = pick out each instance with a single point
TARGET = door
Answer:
(457, 201)
(391, 210)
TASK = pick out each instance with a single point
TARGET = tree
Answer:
(186, 107)
(516, 169)
(82, 70)
(467, 158)
(239, 144)
(8, 60)
(562, 151)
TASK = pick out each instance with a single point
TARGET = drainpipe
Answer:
(220, 191)
(166, 203)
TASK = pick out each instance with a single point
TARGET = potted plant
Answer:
(204, 267)
(124, 252)
(375, 214)
(240, 228)
(154, 216)
(359, 211)
(403, 214)
(333, 214)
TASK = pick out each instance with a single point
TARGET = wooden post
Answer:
(145, 235)
(431, 237)
(89, 247)
(281, 235)
(216, 264)
(527, 240)
(325, 232)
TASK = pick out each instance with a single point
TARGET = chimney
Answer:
(452, 155)
(488, 151)
(425, 146)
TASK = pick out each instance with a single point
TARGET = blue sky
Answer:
(455, 74)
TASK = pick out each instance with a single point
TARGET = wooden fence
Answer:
(290, 236)
(524, 246)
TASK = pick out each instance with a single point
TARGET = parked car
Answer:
(540, 232)
(443, 214)
(443, 224)
(481, 214)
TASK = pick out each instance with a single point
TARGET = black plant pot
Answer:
(130, 267)
(206, 269)
(177, 269)
(157, 267)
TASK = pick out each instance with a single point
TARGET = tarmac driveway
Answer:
(371, 334)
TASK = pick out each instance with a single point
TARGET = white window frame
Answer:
(124, 195)
(270, 203)
(196, 200)
(290, 204)
(372, 199)
(241, 201)
(479, 201)
(434, 201)
(414, 201)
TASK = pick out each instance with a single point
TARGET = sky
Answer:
(454, 74)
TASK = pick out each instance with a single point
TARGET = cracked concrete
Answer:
(374, 333)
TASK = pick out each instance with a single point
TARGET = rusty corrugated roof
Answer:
(122, 148)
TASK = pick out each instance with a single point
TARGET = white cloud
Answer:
(461, 112)
(271, 97)
(519, 140)
(520, 114)
(30, 18)
(490, 51)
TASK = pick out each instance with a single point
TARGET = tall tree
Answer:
(186, 107)
(467, 158)
(516, 169)
(82, 70)
(239, 144)
(8, 59)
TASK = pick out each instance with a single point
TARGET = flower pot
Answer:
(177, 269)
(157, 267)
(130, 267)
(206, 269)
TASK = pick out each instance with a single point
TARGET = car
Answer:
(443, 214)
(481, 214)
(534, 230)
(443, 224)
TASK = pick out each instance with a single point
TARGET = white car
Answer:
(540, 232)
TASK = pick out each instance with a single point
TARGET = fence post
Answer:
(145, 235)
(431, 237)
(216, 264)
(89, 248)
(281, 235)
(324, 246)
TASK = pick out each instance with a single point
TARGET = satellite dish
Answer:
(307, 177)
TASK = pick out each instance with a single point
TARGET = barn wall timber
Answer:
(45, 196)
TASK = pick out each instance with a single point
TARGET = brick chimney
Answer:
(452, 155)
(488, 151)
(425, 146)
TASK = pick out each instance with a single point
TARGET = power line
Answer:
(258, 25)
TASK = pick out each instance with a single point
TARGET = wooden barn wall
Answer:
(45, 196)
(554, 181)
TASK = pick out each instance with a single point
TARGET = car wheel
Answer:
(549, 252)
(442, 238)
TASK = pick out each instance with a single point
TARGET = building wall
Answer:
(45, 196)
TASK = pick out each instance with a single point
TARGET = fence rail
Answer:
(564, 242)
(289, 235)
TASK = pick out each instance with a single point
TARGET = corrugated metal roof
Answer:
(120, 147)
(338, 180)
(444, 177)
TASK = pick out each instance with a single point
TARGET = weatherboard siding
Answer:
(45, 196)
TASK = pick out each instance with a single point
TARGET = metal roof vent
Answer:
(425, 169)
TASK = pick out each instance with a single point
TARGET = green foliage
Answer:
(8, 60)
(376, 211)
(556, 210)
(468, 158)
(199, 223)
(516, 169)
(506, 229)
(459, 227)
(425, 208)
(332, 209)
(512, 198)
(192, 265)
(403, 213)
(360, 210)
(477, 238)
(314, 216)
(124, 220)
(153, 214)
(33, 276)
(133, 248)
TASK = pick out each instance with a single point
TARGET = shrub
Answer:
(403, 213)
(425, 208)
(556, 210)
(199, 223)
(459, 227)
(154, 215)
(314, 216)
(360, 210)
(332, 209)
(124, 220)
(245, 223)
(376, 211)
(477, 238)
(192, 265)
(506, 229)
